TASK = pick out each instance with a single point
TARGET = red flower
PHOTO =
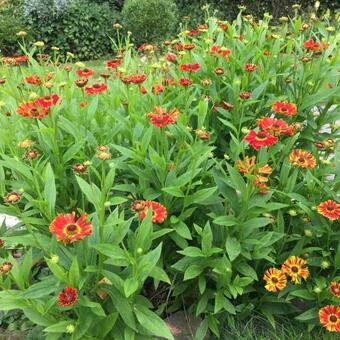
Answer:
(171, 57)
(193, 33)
(330, 318)
(259, 139)
(161, 118)
(86, 73)
(329, 209)
(250, 67)
(157, 89)
(143, 90)
(274, 126)
(96, 88)
(190, 67)
(285, 108)
(334, 288)
(189, 47)
(33, 80)
(114, 63)
(266, 53)
(309, 44)
(32, 109)
(136, 79)
(159, 213)
(220, 50)
(68, 297)
(185, 82)
(67, 229)
(83, 104)
(47, 101)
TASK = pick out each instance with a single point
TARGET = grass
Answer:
(258, 328)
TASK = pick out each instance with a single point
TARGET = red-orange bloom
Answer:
(114, 63)
(34, 79)
(190, 67)
(15, 60)
(68, 297)
(171, 57)
(302, 159)
(329, 209)
(259, 139)
(295, 267)
(161, 118)
(48, 101)
(285, 108)
(189, 47)
(32, 109)
(159, 212)
(97, 88)
(250, 67)
(275, 280)
(67, 229)
(330, 318)
(248, 166)
(218, 50)
(274, 126)
(334, 288)
(185, 82)
(86, 73)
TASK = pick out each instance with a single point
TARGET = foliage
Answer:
(70, 26)
(11, 22)
(176, 219)
(149, 20)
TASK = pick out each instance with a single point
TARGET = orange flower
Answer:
(302, 159)
(274, 126)
(5, 267)
(329, 209)
(334, 287)
(185, 82)
(285, 108)
(33, 80)
(67, 229)
(86, 73)
(47, 101)
(161, 118)
(68, 297)
(250, 67)
(295, 267)
(190, 67)
(96, 88)
(275, 280)
(114, 63)
(32, 109)
(330, 318)
(259, 139)
(248, 166)
(159, 213)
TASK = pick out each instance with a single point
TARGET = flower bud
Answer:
(70, 329)
(308, 232)
(245, 130)
(107, 204)
(21, 34)
(54, 259)
(317, 290)
(292, 212)
(324, 264)
(39, 44)
(139, 251)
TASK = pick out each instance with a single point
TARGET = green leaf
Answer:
(59, 327)
(255, 223)
(237, 180)
(304, 294)
(233, 248)
(182, 230)
(201, 195)
(192, 272)
(191, 252)
(74, 275)
(58, 271)
(117, 256)
(152, 322)
(95, 307)
(130, 286)
(225, 221)
(308, 315)
(50, 193)
(91, 192)
(105, 325)
(174, 191)
(160, 275)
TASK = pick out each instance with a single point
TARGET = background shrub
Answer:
(71, 26)
(150, 20)
(10, 23)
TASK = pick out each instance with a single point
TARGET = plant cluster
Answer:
(205, 179)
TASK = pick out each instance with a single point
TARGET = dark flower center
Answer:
(72, 228)
(301, 159)
(275, 280)
(295, 269)
(261, 135)
(333, 318)
(330, 208)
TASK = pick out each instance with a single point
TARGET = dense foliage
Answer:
(205, 179)
(150, 20)
(70, 26)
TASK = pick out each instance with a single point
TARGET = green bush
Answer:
(150, 20)
(72, 26)
(10, 23)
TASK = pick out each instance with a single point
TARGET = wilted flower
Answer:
(12, 197)
(5, 267)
